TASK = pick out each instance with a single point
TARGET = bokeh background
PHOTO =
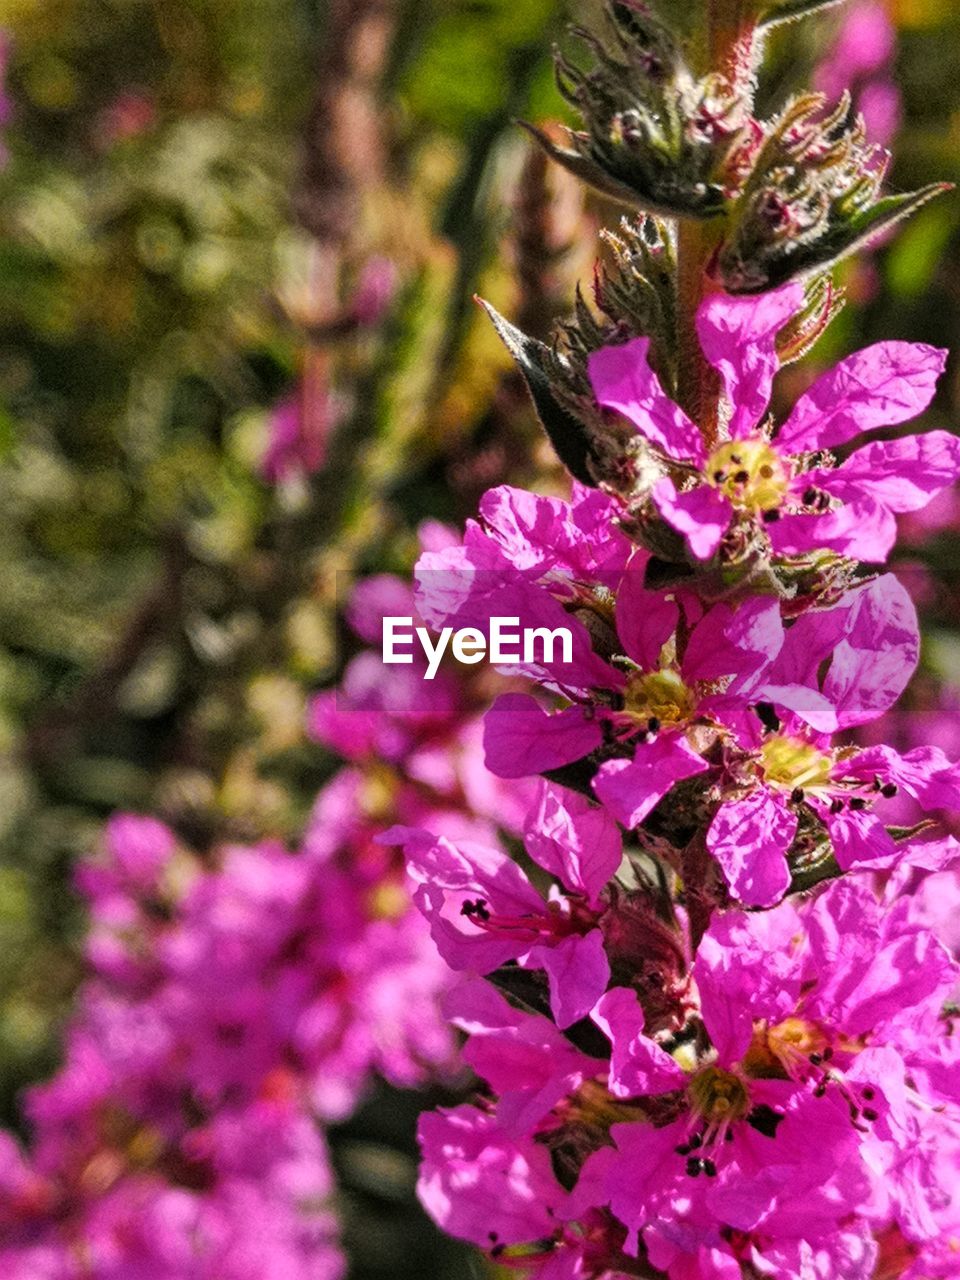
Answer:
(240, 364)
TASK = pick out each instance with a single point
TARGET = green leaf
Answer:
(567, 435)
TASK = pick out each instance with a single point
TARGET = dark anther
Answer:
(816, 1059)
(693, 1167)
(889, 790)
(695, 1141)
(809, 496)
(741, 477)
(728, 1136)
(766, 471)
(796, 795)
(827, 1054)
(709, 1168)
(771, 516)
(869, 1094)
(492, 1237)
(768, 717)
(820, 1090)
(682, 1150)
(869, 1114)
(736, 459)
(765, 1120)
(836, 806)
(719, 477)
(653, 725)
(857, 802)
(497, 1250)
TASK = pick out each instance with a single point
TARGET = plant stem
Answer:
(697, 385)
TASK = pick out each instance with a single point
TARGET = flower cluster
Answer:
(240, 999)
(714, 1022)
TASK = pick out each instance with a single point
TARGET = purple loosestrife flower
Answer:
(829, 1050)
(861, 60)
(780, 768)
(788, 482)
(483, 910)
(808, 1107)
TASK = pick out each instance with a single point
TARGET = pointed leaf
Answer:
(567, 435)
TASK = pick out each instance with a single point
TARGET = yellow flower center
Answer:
(750, 473)
(791, 762)
(795, 1038)
(718, 1095)
(659, 695)
(779, 1051)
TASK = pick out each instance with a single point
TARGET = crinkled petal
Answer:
(750, 839)
(575, 840)
(645, 621)
(901, 475)
(520, 739)
(622, 379)
(872, 666)
(863, 530)
(702, 515)
(739, 338)
(480, 1185)
(881, 386)
(638, 1065)
(860, 840)
(631, 788)
(577, 972)
(537, 533)
(734, 641)
(925, 773)
(745, 969)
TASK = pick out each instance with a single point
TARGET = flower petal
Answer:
(734, 641)
(863, 530)
(631, 788)
(750, 839)
(881, 386)
(872, 666)
(702, 515)
(901, 475)
(738, 336)
(575, 840)
(638, 1065)
(623, 380)
(645, 621)
(521, 739)
(475, 1181)
(577, 971)
(860, 840)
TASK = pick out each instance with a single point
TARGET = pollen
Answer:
(796, 1040)
(750, 473)
(660, 697)
(793, 763)
(719, 1096)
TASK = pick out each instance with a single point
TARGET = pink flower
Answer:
(814, 1092)
(791, 487)
(836, 668)
(483, 911)
(299, 429)
(483, 1186)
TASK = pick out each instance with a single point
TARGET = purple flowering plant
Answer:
(712, 1015)
(674, 899)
